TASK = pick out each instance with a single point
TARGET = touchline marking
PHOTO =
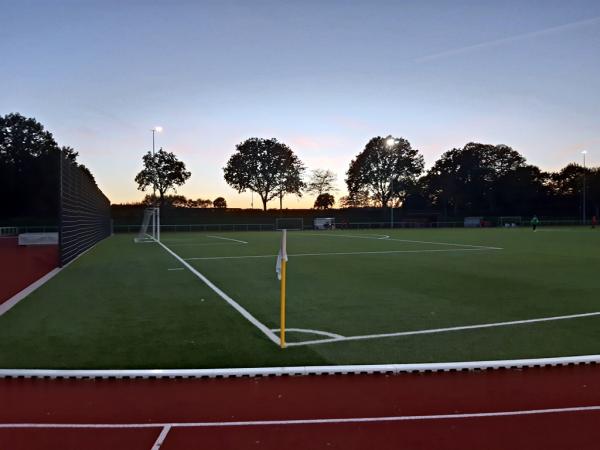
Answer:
(405, 240)
(161, 437)
(227, 239)
(272, 336)
(441, 330)
(251, 423)
(383, 252)
(176, 268)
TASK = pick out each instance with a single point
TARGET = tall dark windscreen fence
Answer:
(84, 212)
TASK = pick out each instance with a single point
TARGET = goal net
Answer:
(296, 224)
(324, 223)
(150, 229)
(510, 221)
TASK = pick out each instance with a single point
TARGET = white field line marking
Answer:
(227, 239)
(383, 252)
(406, 240)
(251, 423)
(4, 307)
(161, 437)
(365, 236)
(176, 268)
(443, 330)
(272, 336)
(8, 304)
(307, 331)
(196, 244)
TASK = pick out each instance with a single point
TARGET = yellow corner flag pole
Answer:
(283, 256)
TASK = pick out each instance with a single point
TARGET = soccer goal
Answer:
(150, 229)
(292, 224)
(324, 223)
(510, 221)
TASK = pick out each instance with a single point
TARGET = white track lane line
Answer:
(383, 252)
(441, 330)
(227, 239)
(272, 336)
(161, 437)
(251, 423)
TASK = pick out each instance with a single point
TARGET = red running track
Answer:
(147, 407)
(22, 265)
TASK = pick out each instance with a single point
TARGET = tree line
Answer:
(30, 168)
(477, 179)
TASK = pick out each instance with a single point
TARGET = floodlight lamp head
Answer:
(158, 129)
(390, 141)
(584, 152)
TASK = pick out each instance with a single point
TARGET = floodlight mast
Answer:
(157, 129)
(583, 211)
(390, 142)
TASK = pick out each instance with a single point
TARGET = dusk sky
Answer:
(322, 76)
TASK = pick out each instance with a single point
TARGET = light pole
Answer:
(390, 142)
(584, 187)
(157, 129)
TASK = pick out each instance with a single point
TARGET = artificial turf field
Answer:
(128, 305)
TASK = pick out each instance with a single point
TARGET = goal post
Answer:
(150, 228)
(510, 221)
(290, 224)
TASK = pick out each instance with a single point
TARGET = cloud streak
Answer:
(509, 40)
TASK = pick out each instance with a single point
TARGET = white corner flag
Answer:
(282, 254)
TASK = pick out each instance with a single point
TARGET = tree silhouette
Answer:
(324, 201)
(321, 181)
(384, 169)
(219, 202)
(162, 171)
(265, 166)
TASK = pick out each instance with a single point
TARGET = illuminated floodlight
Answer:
(158, 129)
(390, 141)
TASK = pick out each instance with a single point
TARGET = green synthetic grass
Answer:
(119, 306)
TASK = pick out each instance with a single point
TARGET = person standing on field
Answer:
(594, 221)
(535, 222)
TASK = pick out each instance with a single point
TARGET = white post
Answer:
(158, 224)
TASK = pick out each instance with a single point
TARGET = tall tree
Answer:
(219, 202)
(385, 169)
(29, 167)
(324, 201)
(162, 171)
(467, 180)
(265, 166)
(321, 181)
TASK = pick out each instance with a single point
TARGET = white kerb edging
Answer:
(301, 370)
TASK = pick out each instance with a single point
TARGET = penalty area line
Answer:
(442, 330)
(227, 239)
(336, 420)
(483, 247)
(383, 252)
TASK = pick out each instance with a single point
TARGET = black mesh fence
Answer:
(84, 212)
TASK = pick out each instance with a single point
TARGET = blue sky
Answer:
(322, 76)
